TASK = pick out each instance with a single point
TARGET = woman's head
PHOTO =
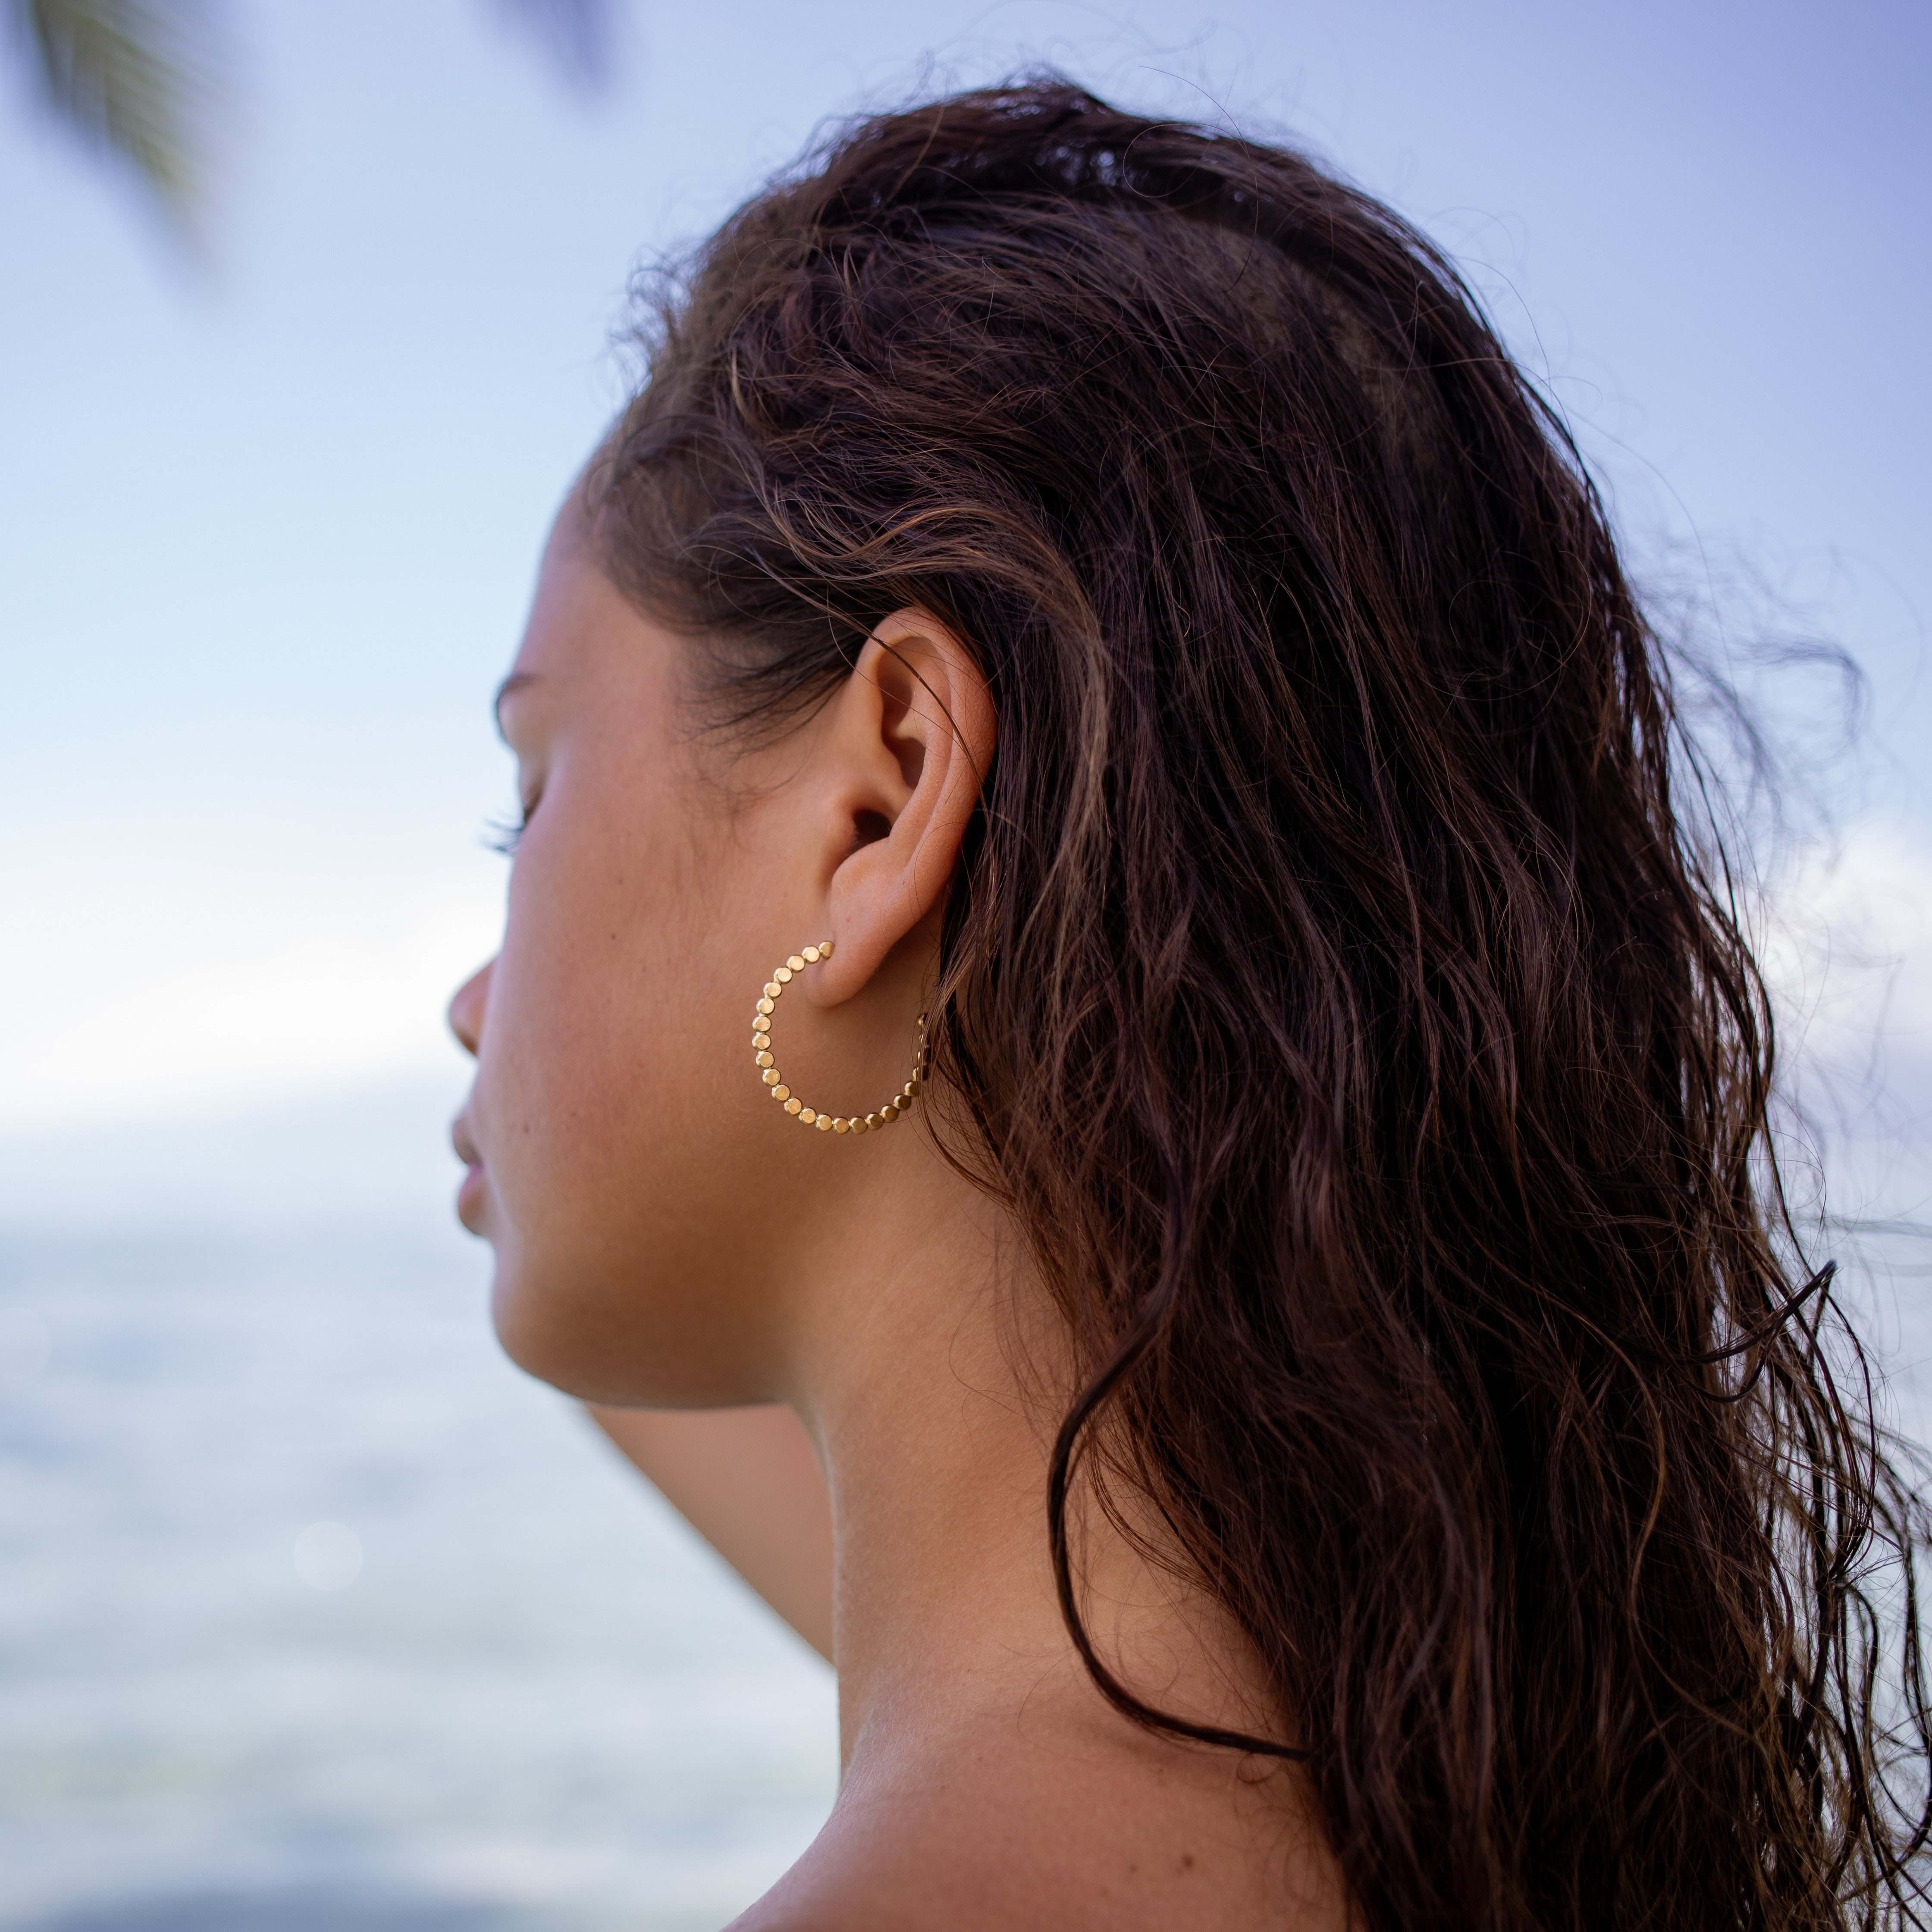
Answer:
(648, 1217)
(1319, 974)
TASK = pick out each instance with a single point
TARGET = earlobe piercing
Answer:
(768, 1071)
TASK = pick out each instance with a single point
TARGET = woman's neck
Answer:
(986, 1780)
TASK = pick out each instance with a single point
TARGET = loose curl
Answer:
(1373, 1055)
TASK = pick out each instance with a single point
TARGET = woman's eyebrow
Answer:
(510, 686)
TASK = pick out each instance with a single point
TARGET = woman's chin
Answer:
(542, 1343)
(528, 1340)
(596, 1354)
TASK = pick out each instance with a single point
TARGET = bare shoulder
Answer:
(1028, 1846)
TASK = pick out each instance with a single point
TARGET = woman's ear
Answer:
(907, 747)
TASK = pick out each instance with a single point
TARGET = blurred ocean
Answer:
(314, 1612)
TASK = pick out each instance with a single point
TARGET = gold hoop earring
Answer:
(774, 1085)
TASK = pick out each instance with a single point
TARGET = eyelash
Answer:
(504, 836)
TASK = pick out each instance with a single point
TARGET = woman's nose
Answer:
(466, 1010)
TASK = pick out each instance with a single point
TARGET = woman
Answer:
(1103, 917)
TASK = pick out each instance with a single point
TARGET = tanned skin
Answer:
(667, 1240)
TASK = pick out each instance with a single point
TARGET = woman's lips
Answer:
(470, 1192)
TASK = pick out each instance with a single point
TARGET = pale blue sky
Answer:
(269, 531)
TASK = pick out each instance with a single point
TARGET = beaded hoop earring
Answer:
(774, 1085)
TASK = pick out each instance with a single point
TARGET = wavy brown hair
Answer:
(1337, 987)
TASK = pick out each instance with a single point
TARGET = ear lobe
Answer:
(911, 744)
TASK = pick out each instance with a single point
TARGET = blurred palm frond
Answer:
(146, 81)
(139, 80)
(575, 34)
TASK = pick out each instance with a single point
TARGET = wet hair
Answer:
(1338, 986)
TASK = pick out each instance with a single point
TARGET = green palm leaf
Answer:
(145, 81)
(139, 80)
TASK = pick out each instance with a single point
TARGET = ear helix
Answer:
(774, 1085)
